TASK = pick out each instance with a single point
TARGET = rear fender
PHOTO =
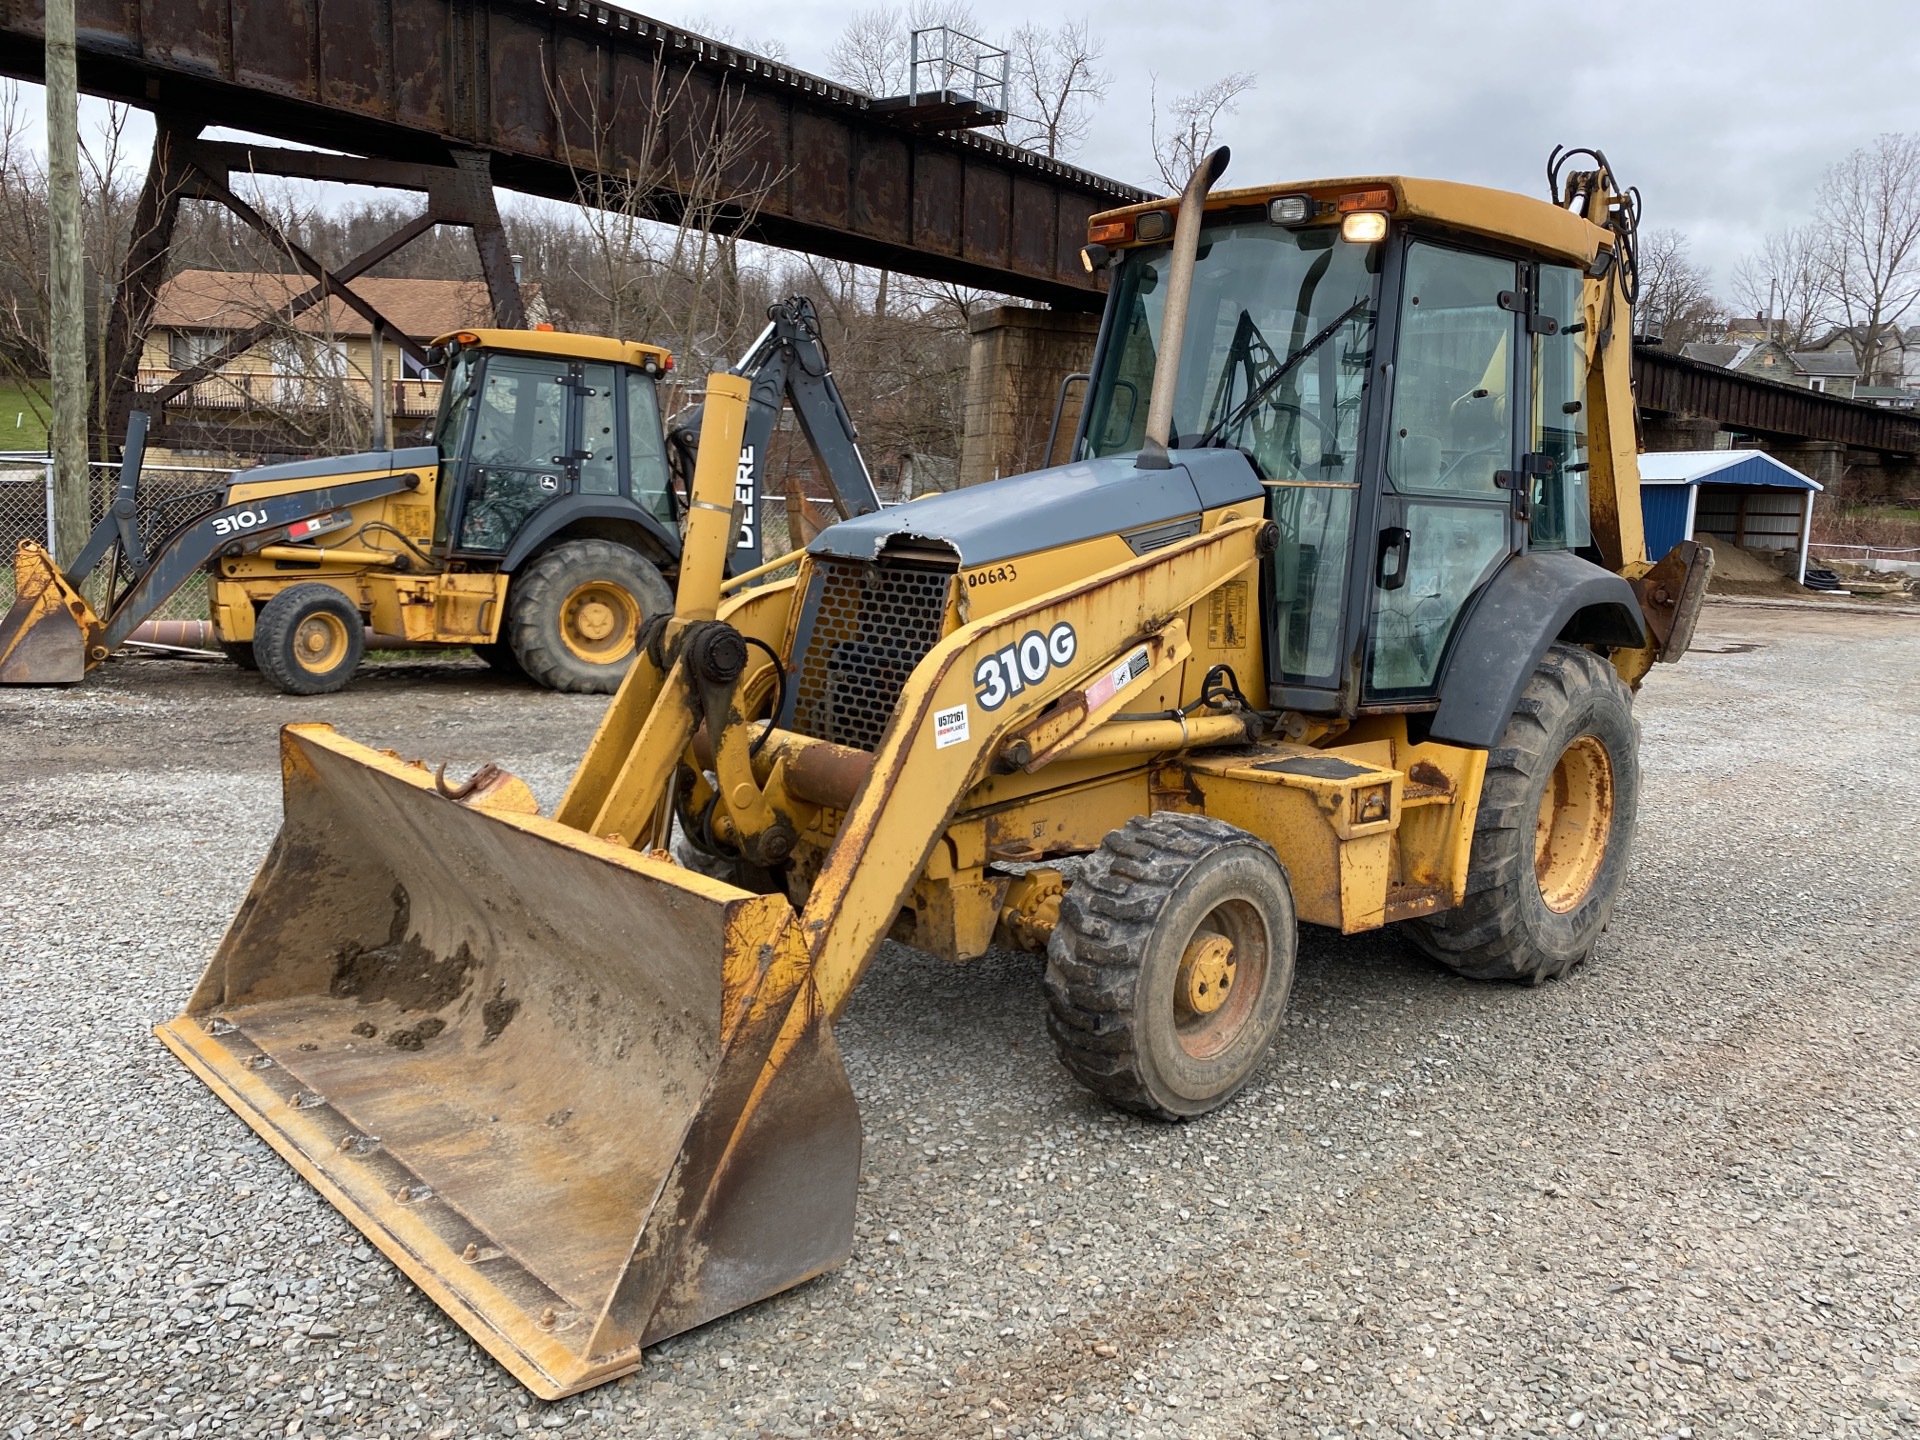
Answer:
(605, 517)
(1533, 601)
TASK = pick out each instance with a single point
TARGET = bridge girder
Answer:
(555, 91)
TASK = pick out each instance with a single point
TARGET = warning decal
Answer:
(1117, 679)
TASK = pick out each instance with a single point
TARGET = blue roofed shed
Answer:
(1745, 497)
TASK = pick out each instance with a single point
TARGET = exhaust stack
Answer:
(1173, 334)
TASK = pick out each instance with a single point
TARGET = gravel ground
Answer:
(1671, 1195)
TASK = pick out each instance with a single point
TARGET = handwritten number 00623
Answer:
(1005, 673)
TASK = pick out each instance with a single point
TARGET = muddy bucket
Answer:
(586, 1099)
(44, 636)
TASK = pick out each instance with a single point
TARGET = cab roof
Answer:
(1499, 214)
(562, 345)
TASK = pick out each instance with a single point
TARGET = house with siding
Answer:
(309, 365)
(1833, 371)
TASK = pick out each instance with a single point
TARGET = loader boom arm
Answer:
(916, 785)
(53, 636)
(194, 544)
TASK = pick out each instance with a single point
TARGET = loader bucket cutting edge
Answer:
(584, 1099)
(45, 634)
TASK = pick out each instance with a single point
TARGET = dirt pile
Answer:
(1737, 571)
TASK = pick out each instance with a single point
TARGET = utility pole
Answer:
(66, 279)
(379, 367)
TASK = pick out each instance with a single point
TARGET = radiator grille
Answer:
(872, 624)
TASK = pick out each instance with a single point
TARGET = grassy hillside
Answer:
(21, 426)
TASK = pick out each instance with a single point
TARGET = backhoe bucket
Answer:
(44, 637)
(585, 1098)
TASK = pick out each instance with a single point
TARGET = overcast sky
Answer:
(1723, 112)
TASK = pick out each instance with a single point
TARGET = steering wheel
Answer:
(1329, 435)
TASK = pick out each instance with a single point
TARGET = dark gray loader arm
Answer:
(787, 364)
(245, 525)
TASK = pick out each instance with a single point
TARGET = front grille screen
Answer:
(872, 625)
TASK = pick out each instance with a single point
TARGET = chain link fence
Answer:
(168, 497)
(26, 510)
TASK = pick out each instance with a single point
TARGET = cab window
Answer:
(646, 448)
(599, 452)
(1452, 421)
(1561, 515)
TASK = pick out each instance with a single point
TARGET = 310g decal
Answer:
(1007, 672)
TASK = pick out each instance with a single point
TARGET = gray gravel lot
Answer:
(1673, 1194)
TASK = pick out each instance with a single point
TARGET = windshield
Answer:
(456, 392)
(1279, 336)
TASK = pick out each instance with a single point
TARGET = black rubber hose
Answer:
(780, 697)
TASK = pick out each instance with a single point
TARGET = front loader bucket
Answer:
(584, 1098)
(45, 636)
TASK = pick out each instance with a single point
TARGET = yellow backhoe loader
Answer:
(540, 528)
(1334, 617)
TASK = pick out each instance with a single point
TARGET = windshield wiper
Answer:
(1260, 392)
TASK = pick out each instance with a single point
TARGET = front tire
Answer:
(1168, 974)
(309, 640)
(572, 614)
(1554, 834)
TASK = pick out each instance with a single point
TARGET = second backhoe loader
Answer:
(1334, 618)
(540, 529)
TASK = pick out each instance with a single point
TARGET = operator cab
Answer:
(1409, 393)
(531, 421)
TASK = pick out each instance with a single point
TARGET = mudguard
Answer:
(1532, 601)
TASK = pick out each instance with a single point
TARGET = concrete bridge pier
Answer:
(1016, 359)
(1679, 432)
(1821, 460)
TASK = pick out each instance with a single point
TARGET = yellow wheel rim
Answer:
(598, 621)
(320, 642)
(1576, 818)
(1219, 980)
(1206, 973)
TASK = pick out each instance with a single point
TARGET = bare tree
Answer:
(724, 31)
(1056, 81)
(872, 53)
(662, 225)
(107, 198)
(23, 252)
(1191, 122)
(111, 193)
(1676, 292)
(1869, 215)
(1783, 282)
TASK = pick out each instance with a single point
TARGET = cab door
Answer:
(540, 429)
(1450, 510)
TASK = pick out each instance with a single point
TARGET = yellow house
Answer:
(310, 374)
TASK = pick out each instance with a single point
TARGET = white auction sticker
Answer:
(949, 727)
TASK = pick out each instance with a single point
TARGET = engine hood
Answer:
(1046, 509)
(414, 457)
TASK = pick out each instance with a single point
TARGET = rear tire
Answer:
(1168, 974)
(1554, 834)
(240, 652)
(573, 612)
(309, 640)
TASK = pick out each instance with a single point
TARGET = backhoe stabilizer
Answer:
(584, 1098)
(49, 635)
